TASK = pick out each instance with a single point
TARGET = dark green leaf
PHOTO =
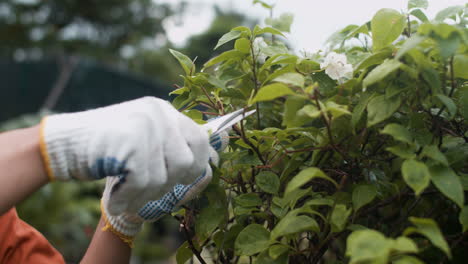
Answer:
(362, 195)
(228, 37)
(398, 132)
(359, 109)
(402, 151)
(183, 253)
(449, 104)
(277, 250)
(463, 218)
(416, 175)
(231, 54)
(448, 183)
(270, 92)
(409, 44)
(248, 200)
(253, 239)
(268, 182)
(429, 228)
(290, 117)
(434, 153)
(380, 72)
(304, 177)
(293, 223)
(185, 62)
(381, 108)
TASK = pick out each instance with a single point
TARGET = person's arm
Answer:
(22, 173)
(106, 247)
(21, 167)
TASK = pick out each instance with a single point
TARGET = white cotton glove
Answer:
(146, 145)
(126, 225)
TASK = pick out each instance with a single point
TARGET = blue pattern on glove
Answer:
(155, 209)
(108, 166)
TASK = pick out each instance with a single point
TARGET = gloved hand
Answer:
(146, 145)
(127, 225)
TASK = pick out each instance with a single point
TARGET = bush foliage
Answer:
(367, 167)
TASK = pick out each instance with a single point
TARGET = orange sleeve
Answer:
(21, 243)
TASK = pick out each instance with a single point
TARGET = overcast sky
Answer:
(314, 20)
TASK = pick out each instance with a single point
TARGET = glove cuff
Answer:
(123, 226)
(62, 138)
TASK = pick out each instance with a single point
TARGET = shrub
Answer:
(367, 167)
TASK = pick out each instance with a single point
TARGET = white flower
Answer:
(258, 45)
(337, 67)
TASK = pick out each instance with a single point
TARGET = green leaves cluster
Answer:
(370, 170)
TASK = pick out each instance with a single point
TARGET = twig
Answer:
(191, 245)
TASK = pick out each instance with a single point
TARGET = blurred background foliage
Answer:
(72, 55)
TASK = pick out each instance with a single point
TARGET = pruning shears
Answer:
(224, 122)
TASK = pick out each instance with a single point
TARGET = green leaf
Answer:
(407, 260)
(269, 30)
(277, 250)
(231, 54)
(290, 116)
(183, 254)
(304, 177)
(449, 104)
(448, 183)
(242, 45)
(336, 110)
(359, 109)
(292, 78)
(265, 258)
(429, 228)
(374, 59)
(398, 132)
(248, 200)
(282, 23)
(380, 108)
(448, 12)
(268, 182)
(402, 151)
(416, 175)
(462, 101)
(460, 64)
(434, 153)
(417, 4)
(228, 37)
(270, 92)
(418, 13)
(463, 218)
(253, 239)
(387, 25)
(293, 223)
(339, 217)
(211, 216)
(185, 62)
(362, 195)
(404, 244)
(368, 246)
(409, 44)
(380, 72)
(310, 111)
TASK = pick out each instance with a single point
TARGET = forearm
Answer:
(21, 167)
(106, 247)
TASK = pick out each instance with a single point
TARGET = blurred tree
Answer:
(106, 30)
(202, 45)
